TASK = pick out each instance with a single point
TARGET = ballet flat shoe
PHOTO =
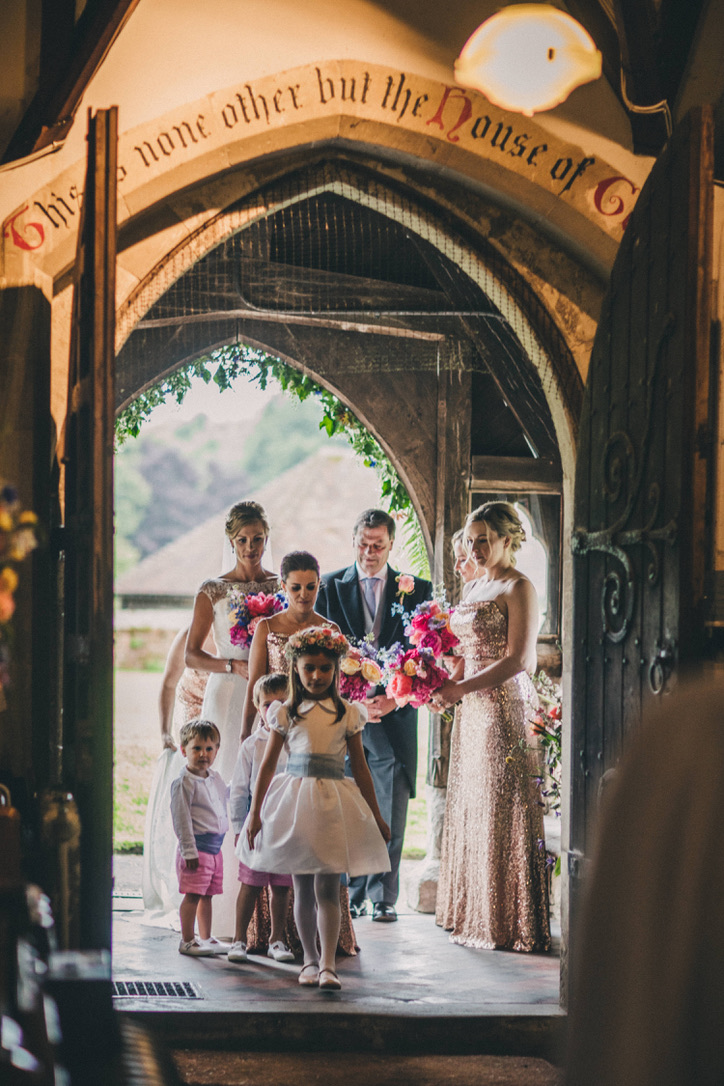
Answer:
(309, 975)
(329, 981)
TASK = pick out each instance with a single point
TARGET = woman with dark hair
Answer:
(300, 580)
(492, 891)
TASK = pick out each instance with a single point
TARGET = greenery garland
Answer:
(224, 365)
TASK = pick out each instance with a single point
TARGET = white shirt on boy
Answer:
(198, 805)
(246, 772)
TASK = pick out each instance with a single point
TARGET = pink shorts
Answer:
(207, 879)
(262, 878)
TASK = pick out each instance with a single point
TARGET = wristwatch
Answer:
(228, 666)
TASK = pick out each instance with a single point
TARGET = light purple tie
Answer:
(368, 586)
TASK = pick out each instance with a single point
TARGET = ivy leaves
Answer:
(224, 365)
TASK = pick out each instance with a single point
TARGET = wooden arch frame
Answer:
(428, 481)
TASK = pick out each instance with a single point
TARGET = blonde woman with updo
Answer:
(465, 565)
(247, 530)
(492, 892)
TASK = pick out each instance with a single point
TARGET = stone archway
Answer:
(479, 308)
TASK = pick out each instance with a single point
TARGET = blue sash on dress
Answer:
(315, 765)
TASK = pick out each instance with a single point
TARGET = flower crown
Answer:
(314, 638)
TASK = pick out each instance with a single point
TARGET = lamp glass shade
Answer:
(528, 58)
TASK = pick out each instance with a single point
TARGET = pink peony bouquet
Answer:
(245, 611)
(359, 672)
(428, 627)
(412, 676)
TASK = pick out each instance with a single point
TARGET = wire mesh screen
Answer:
(344, 276)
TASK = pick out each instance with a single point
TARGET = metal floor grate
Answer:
(174, 989)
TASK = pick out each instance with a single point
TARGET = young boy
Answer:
(198, 811)
(268, 689)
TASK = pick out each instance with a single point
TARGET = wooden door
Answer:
(643, 496)
(88, 539)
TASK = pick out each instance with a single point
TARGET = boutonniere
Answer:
(405, 585)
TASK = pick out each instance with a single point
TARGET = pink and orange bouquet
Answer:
(359, 672)
(428, 627)
(245, 613)
(412, 676)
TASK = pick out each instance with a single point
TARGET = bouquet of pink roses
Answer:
(412, 676)
(246, 611)
(359, 672)
(428, 627)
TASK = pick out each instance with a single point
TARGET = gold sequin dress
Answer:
(275, 651)
(492, 892)
(257, 936)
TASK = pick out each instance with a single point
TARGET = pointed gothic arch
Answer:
(441, 315)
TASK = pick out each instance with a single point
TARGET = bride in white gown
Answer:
(180, 700)
(247, 529)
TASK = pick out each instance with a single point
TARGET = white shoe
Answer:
(280, 952)
(215, 945)
(195, 949)
(237, 953)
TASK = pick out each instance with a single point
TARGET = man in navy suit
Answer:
(360, 600)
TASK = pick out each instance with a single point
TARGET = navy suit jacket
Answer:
(340, 600)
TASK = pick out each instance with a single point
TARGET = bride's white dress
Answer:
(159, 881)
(223, 704)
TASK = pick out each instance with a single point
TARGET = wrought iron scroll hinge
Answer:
(623, 473)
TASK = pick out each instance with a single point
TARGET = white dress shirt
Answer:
(248, 764)
(198, 805)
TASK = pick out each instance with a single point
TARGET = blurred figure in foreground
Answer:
(648, 1002)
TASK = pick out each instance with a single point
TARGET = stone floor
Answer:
(409, 991)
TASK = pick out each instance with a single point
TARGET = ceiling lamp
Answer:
(528, 57)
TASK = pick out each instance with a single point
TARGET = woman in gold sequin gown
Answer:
(492, 891)
(300, 580)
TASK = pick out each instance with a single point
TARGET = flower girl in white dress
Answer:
(312, 820)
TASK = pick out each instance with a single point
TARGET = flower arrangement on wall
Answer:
(18, 537)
